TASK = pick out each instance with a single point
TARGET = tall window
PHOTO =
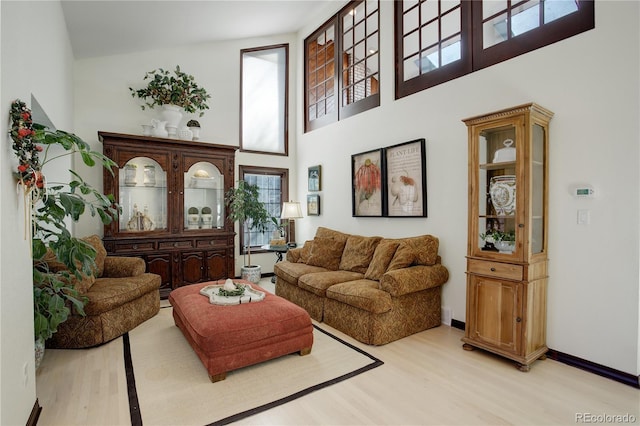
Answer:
(273, 185)
(439, 40)
(348, 42)
(264, 99)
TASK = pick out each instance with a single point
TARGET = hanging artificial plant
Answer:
(47, 206)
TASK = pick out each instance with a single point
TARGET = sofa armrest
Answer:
(293, 255)
(414, 278)
(121, 266)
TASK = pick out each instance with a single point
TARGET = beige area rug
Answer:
(168, 385)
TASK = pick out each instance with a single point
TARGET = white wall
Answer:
(591, 84)
(104, 103)
(36, 60)
(594, 269)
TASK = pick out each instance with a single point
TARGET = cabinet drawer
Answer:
(164, 245)
(495, 269)
(211, 242)
(122, 247)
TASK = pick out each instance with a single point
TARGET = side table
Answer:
(279, 251)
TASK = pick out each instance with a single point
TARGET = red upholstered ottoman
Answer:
(230, 337)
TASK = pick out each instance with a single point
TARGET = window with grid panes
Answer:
(273, 185)
(348, 42)
(439, 40)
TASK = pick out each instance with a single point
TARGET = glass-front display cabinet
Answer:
(173, 211)
(507, 227)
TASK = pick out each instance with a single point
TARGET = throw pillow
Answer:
(326, 252)
(425, 248)
(101, 253)
(323, 232)
(305, 252)
(381, 259)
(357, 253)
(82, 285)
(403, 257)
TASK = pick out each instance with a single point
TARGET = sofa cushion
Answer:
(326, 252)
(323, 232)
(290, 271)
(362, 294)
(101, 253)
(403, 257)
(381, 259)
(358, 252)
(82, 284)
(109, 293)
(305, 251)
(425, 248)
(318, 282)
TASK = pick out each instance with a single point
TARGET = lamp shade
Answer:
(291, 210)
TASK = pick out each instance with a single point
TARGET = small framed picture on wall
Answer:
(315, 178)
(313, 205)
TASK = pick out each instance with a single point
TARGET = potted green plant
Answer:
(179, 89)
(51, 203)
(503, 241)
(244, 206)
(174, 92)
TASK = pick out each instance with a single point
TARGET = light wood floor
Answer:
(427, 379)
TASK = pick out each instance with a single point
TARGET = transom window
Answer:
(273, 186)
(348, 42)
(264, 105)
(439, 40)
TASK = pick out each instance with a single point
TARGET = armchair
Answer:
(121, 297)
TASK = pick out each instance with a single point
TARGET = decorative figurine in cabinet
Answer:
(507, 242)
(173, 211)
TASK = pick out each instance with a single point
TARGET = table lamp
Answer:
(290, 210)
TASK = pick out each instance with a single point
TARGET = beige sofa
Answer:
(374, 289)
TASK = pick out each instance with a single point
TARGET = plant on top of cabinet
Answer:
(180, 89)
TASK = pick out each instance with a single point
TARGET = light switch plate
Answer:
(584, 217)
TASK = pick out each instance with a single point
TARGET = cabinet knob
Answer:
(521, 225)
(518, 319)
(493, 269)
(135, 247)
(175, 244)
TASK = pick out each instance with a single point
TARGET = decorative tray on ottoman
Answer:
(249, 295)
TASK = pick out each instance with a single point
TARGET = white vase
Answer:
(149, 175)
(185, 134)
(159, 129)
(130, 175)
(196, 132)
(502, 190)
(172, 114)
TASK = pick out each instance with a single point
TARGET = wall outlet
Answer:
(446, 315)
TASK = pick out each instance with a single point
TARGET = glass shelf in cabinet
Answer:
(497, 166)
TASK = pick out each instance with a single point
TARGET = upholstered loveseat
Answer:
(120, 296)
(374, 289)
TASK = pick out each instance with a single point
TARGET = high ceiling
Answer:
(107, 27)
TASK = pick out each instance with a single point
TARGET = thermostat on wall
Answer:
(583, 191)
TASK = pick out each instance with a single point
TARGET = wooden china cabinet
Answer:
(507, 243)
(173, 212)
